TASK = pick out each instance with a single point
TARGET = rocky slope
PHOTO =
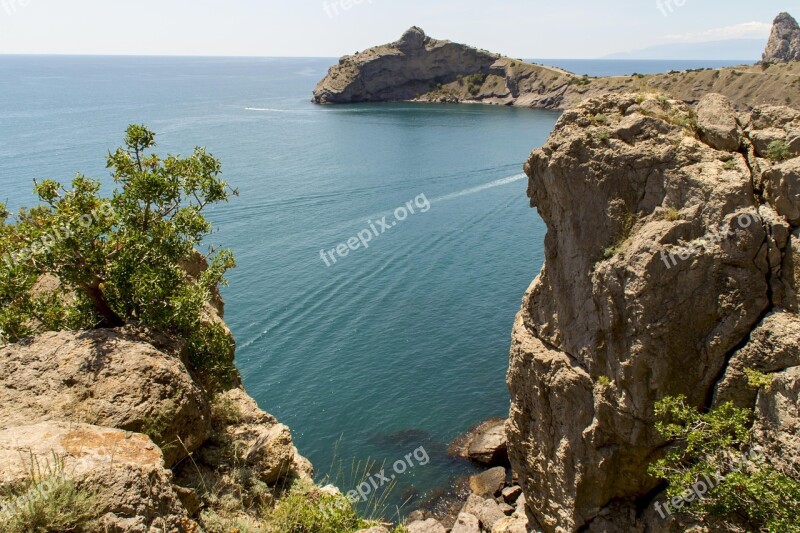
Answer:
(624, 314)
(120, 414)
(784, 41)
(419, 68)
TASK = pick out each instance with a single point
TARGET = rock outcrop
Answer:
(784, 41)
(670, 267)
(90, 402)
(125, 471)
(401, 70)
(420, 68)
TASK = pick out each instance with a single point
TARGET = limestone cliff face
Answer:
(121, 413)
(419, 68)
(784, 42)
(623, 313)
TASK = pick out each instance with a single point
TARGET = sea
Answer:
(383, 249)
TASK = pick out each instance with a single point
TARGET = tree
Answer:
(120, 259)
(716, 474)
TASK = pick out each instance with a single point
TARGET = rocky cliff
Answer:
(671, 266)
(419, 68)
(119, 414)
(784, 41)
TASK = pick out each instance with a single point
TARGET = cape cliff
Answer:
(622, 315)
(420, 68)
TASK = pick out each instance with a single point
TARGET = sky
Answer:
(580, 29)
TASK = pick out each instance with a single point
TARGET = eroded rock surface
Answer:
(112, 378)
(784, 42)
(665, 260)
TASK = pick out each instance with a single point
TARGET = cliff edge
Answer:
(671, 266)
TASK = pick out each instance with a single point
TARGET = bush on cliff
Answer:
(716, 449)
(117, 260)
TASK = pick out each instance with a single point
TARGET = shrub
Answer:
(123, 261)
(778, 151)
(672, 214)
(307, 510)
(752, 496)
(48, 501)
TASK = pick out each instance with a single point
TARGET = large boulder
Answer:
(661, 259)
(784, 42)
(114, 378)
(718, 124)
(484, 444)
(125, 472)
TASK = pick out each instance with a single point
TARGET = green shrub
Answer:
(124, 261)
(778, 151)
(751, 495)
(48, 501)
(307, 510)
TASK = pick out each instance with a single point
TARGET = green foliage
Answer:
(477, 79)
(717, 445)
(120, 259)
(582, 80)
(48, 501)
(672, 214)
(758, 380)
(473, 90)
(601, 119)
(604, 381)
(603, 136)
(730, 164)
(306, 510)
(778, 151)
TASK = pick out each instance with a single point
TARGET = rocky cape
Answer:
(419, 68)
(621, 315)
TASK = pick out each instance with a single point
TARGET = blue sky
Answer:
(521, 28)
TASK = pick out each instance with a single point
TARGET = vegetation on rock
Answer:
(718, 446)
(118, 259)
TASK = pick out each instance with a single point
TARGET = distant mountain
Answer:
(744, 49)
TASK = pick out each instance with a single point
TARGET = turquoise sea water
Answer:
(394, 347)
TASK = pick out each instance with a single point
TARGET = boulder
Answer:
(466, 523)
(430, 525)
(487, 511)
(116, 378)
(485, 444)
(784, 42)
(718, 124)
(489, 483)
(511, 494)
(511, 525)
(125, 471)
(782, 189)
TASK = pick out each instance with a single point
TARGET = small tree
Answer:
(119, 259)
(717, 445)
